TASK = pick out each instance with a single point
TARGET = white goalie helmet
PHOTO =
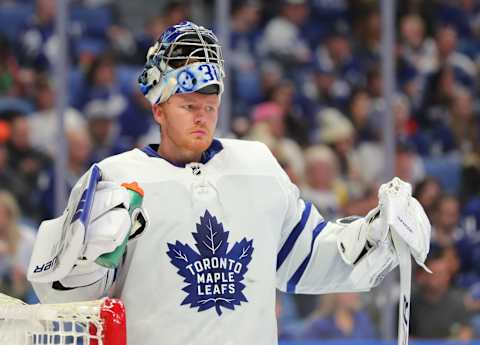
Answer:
(186, 58)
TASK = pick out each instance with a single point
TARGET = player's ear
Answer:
(157, 110)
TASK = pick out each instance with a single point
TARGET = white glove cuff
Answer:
(352, 239)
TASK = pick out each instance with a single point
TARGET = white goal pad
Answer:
(100, 322)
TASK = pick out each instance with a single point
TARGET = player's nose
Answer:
(200, 115)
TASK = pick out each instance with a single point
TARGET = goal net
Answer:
(100, 322)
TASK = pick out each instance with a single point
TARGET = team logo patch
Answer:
(214, 274)
(186, 80)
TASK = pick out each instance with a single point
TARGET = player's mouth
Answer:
(199, 132)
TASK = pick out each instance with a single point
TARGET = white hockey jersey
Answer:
(223, 235)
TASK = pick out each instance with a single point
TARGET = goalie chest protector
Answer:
(205, 270)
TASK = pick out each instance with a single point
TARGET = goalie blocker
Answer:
(90, 237)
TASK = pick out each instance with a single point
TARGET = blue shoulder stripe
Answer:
(292, 283)
(292, 238)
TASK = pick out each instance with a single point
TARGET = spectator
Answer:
(454, 126)
(245, 36)
(374, 85)
(470, 192)
(368, 37)
(433, 116)
(292, 164)
(103, 84)
(103, 129)
(416, 48)
(296, 116)
(447, 233)
(269, 127)
(360, 113)
(421, 8)
(361, 204)
(79, 153)
(283, 40)
(10, 83)
(271, 75)
(101, 81)
(325, 15)
(324, 187)
(272, 116)
(44, 124)
(16, 245)
(336, 55)
(357, 169)
(27, 162)
(406, 129)
(337, 132)
(463, 16)
(408, 165)
(38, 45)
(427, 192)
(175, 11)
(326, 90)
(10, 180)
(172, 12)
(438, 309)
(340, 316)
(153, 28)
(464, 122)
(447, 54)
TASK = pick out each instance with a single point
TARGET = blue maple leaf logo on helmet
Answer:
(214, 274)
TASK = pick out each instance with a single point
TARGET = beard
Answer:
(192, 144)
(197, 144)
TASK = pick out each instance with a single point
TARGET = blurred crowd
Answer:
(305, 79)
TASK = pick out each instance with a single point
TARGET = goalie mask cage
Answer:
(100, 322)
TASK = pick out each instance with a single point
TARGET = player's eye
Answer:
(188, 107)
(209, 108)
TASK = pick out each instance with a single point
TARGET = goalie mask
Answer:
(186, 58)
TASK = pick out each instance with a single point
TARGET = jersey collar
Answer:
(151, 150)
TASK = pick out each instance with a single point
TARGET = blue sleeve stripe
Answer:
(292, 283)
(292, 238)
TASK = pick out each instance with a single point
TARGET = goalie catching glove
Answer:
(411, 223)
(92, 234)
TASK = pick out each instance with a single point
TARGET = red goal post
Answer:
(100, 322)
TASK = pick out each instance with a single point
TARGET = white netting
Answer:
(46, 324)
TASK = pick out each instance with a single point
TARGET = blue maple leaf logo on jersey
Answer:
(214, 276)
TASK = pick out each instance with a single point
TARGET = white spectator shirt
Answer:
(44, 128)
